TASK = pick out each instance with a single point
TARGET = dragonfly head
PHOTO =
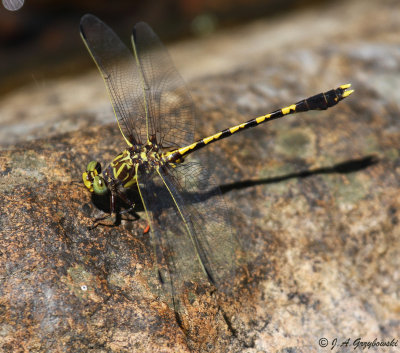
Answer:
(93, 179)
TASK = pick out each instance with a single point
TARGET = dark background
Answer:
(40, 40)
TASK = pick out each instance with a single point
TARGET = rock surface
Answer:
(315, 199)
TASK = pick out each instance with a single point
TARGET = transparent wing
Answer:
(149, 98)
(168, 102)
(190, 227)
(121, 76)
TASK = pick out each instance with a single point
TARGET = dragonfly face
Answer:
(93, 179)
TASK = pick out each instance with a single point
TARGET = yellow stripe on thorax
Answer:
(118, 172)
(131, 182)
(122, 157)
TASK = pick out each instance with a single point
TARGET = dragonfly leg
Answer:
(128, 202)
(109, 219)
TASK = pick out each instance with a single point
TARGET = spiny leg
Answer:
(110, 220)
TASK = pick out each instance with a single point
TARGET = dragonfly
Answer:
(188, 218)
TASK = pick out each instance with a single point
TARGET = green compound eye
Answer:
(92, 170)
(94, 166)
(99, 186)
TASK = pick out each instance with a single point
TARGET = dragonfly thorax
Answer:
(122, 169)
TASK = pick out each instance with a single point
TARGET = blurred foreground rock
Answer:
(315, 199)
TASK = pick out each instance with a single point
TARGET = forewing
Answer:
(121, 76)
(168, 102)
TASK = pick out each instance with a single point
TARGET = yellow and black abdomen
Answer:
(324, 100)
(320, 101)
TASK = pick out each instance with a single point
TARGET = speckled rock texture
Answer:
(315, 200)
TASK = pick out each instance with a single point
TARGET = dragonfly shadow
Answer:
(347, 167)
(102, 202)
